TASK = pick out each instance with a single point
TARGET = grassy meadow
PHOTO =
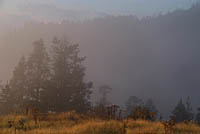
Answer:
(72, 123)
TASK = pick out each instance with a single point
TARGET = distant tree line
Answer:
(184, 112)
(137, 109)
(54, 81)
(50, 80)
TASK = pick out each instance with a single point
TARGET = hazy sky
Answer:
(136, 7)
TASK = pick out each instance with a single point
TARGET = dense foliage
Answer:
(49, 82)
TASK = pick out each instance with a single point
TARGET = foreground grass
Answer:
(71, 123)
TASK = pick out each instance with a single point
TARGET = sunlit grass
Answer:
(72, 123)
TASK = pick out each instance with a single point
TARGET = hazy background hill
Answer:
(155, 57)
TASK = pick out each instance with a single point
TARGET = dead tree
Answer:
(112, 111)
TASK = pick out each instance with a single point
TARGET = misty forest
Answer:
(102, 74)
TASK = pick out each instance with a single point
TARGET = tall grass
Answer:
(72, 123)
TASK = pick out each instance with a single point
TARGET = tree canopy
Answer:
(49, 82)
(182, 112)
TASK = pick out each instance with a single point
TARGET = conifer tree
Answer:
(180, 113)
(18, 84)
(70, 90)
(14, 92)
(38, 75)
(197, 118)
(6, 101)
(189, 109)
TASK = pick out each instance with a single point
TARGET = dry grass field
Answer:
(72, 123)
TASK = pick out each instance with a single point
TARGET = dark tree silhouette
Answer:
(14, 92)
(6, 101)
(70, 91)
(55, 84)
(197, 118)
(18, 84)
(180, 112)
(189, 110)
(38, 74)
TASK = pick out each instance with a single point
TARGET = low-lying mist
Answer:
(154, 57)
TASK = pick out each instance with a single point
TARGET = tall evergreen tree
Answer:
(189, 109)
(18, 84)
(70, 91)
(180, 113)
(197, 118)
(6, 101)
(38, 75)
(59, 88)
(14, 92)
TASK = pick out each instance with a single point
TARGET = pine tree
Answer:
(197, 118)
(38, 75)
(70, 91)
(189, 109)
(6, 101)
(180, 113)
(14, 92)
(18, 84)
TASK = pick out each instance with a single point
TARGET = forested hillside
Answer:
(143, 57)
